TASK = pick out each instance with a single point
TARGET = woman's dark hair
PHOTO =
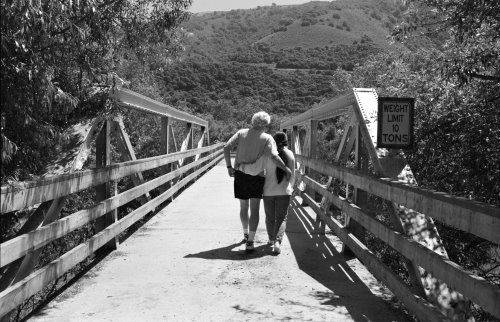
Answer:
(281, 141)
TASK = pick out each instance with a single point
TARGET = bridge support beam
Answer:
(103, 159)
(165, 142)
(360, 197)
(310, 149)
(127, 152)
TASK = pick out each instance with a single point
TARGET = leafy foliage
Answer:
(229, 93)
(322, 58)
(55, 54)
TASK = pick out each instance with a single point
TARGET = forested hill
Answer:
(277, 58)
(243, 35)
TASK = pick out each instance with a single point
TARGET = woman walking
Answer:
(278, 189)
(251, 146)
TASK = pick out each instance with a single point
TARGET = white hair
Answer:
(260, 120)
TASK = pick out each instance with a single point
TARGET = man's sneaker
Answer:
(270, 242)
(277, 248)
(249, 247)
(245, 238)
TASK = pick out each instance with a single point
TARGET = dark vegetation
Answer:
(59, 59)
(319, 58)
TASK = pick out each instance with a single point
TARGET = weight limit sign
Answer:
(395, 122)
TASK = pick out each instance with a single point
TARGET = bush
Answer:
(374, 15)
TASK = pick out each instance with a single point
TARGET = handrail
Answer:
(21, 245)
(432, 203)
(330, 109)
(15, 294)
(475, 217)
(424, 310)
(35, 192)
(477, 288)
(140, 102)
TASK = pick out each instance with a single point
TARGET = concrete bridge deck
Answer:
(186, 263)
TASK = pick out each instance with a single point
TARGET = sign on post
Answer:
(395, 122)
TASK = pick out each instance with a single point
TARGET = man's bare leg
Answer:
(244, 204)
(254, 217)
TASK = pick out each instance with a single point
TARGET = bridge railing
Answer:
(32, 193)
(437, 287)
(474, 217)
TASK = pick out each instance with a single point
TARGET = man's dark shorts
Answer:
(247, 186)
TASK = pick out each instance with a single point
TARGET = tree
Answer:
(55, 55)
(469, 31)
(456, 85)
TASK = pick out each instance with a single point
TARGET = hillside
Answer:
(275, 58)
(311, 25)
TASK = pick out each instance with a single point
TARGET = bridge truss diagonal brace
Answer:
(127, 151)
(419, 227)
(201, 141)
(187, 143)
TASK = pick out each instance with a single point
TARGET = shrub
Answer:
(374, 15)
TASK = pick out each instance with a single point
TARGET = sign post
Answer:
(395, 122)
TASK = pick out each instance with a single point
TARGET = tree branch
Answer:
(485, 77)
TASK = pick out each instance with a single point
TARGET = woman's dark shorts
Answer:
(247, 186)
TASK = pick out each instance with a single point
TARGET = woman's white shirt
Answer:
(271, 186)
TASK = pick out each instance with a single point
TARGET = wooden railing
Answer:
(33, 193)
(440, 289)
(474, 217)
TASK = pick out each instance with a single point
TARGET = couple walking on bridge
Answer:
(263, 169)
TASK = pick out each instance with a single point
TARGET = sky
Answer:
(226, 5)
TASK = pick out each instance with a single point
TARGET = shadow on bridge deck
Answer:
(349, 284)
(186, 263)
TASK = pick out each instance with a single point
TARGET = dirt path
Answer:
(186, 264)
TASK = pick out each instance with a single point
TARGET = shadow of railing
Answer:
(322, 261)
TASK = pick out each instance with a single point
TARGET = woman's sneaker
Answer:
(270, 242)
(249, 247)
(277, 248)
(245, 238)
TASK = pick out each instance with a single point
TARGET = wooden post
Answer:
(115, 211)
(360, 196)
(165, 135)
(190, 147)
(310, 149)
(313, 147)
(165, 138)
(295, 140)
(103, 159)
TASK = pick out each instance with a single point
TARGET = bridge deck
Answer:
(186, 264)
